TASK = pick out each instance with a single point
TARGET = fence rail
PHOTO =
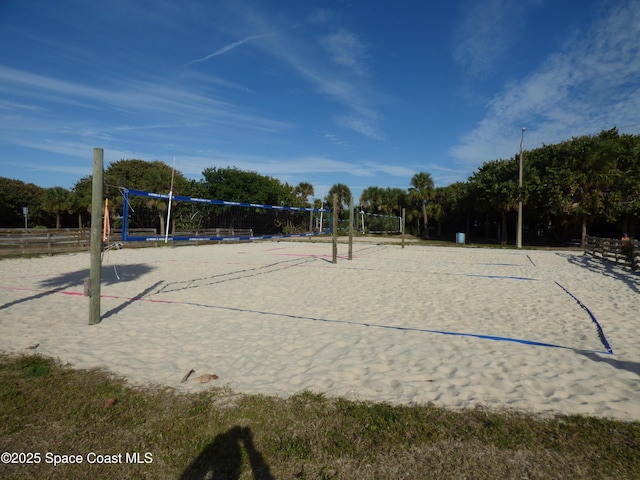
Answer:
(15, 242)
(40, 241)
(624, 252)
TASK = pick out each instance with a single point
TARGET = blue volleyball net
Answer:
(182, 218)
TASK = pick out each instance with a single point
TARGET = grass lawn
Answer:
(95, 426)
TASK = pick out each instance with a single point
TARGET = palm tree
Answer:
(303, 190)
(55, 200)
(437, 211)
(344, 196)
(395, 200)
(81, 198)
(421, 190)
(372, 199)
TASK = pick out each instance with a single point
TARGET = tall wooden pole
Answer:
(96, 237)
(334, 229)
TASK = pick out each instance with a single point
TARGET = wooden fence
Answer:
(15, 242)
(41, 241)
(623, 252)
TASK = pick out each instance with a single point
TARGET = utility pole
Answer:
(519, 232)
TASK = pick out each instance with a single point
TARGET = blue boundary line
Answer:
(388, 327)
(603, 339)
(508, 277)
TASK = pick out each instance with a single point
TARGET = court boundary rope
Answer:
(601, 335)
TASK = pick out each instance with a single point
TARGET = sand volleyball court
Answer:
(545, 331)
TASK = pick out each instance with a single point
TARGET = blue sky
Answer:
(358, 92)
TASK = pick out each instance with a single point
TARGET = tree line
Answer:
(588, 183)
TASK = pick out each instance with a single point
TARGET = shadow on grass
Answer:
(606, 268)
(222, 458)
(60, 283)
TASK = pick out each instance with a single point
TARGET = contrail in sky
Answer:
(226, 48)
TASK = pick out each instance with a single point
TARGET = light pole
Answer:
(519, 232)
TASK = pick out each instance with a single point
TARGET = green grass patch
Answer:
(50, 409)
(34, 366)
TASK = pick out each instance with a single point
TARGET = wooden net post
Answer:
(96, 237)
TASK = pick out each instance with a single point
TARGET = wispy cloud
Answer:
(346, 50)
(229, 47)
(360, 115)
(486, 32)
(166, 103)
(54, 167)
(336, 140)
(9, 105)
(362, 120)
(297, 47)
(590, 85)
(389, 169)
(193, 165)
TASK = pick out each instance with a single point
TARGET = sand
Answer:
(455, 326)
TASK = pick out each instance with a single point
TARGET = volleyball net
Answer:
(202, 219)
(377, 223)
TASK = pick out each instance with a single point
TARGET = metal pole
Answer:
(96, 237)
(519, 232)
(334, 229)
(125, 214)
(402, 225)
(350, 257)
